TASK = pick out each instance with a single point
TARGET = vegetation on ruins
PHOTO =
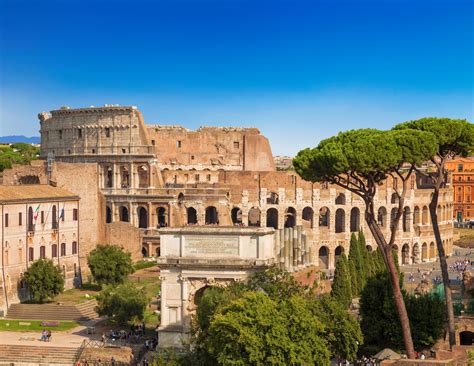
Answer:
(110, 264)
(44, 280)
(361, 160)
(18, 153)
(270, 319)
(379, 320)
(123, 303)
(454, 137)
(341, 289)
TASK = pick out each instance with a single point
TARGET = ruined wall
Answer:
(26, 174)
(125, 236)
(213, 148)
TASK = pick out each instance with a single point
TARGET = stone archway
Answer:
(212, 217)
(323, 257)
(272, 218)
(142, 217)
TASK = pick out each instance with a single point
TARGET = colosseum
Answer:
(157, 177)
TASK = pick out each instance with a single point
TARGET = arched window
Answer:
(30, 219)
(341, 199)
(323, 257)
(324, 216)
(432, 251)
(42, 252)
(393, 217)
(272, 198)
(425, 215)
(143, 176)
(406, 219)
(109, 177)
(108, 215)
(394, 199)
(340, 220)
(290, 217)
(74, 247)
(54, 250)
(63, 249)
(123, 212)
(31, 254)
(162, 217)
(192, 215)
(355, 219)
(405, 254)
(308, 216)
(142, 218)
(416, 216)
(236, 215)
(55, 218)
(424, 252)
(337, 253)
(272, 218)
(254, 216)
(211, 216)
(382, 217)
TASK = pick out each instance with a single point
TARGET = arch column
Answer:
(331, 260)
(151, 216)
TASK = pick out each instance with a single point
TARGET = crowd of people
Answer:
(134, 335)
(46, 335)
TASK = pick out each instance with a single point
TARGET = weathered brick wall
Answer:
(126, 236)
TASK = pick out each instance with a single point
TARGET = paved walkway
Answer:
(70, 338)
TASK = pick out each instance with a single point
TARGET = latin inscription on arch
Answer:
(211, 246)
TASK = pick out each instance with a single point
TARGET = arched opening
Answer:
(180, 199)
(236, 216)
(74, 247)
(192, 215)
(382, 217)
(396, 253)
(254, 216)
(355, 219)
(123, 213)
(415, 253)
(144, 251)
(466, 338)
(272, 218)
(211, 216)
(341, 199)
(42, 252)
(290, 217)
(142, 218)
(340, 220)
(199, 294)
(109, 177)
(406, 219)
(54, 250)
(405, 254)
(323, 257)
(416, 216)
(108, 215)
(424, 252)
(54, 217)
(157, 252)
(125, 177)
(308, 216)
(324, 217)
(337, 253)
(394, 199)
(63, 249)
(393, 217)
(432, 251)
(143, 176)
(272, 198)
(424, 216)
(162, 217)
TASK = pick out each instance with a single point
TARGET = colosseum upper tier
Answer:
(155, 176)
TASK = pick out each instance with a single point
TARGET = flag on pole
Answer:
(36, 212)
(61, 217)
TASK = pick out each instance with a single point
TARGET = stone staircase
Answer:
(34, 355)
(81, 312)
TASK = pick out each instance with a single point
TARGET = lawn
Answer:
(78, 295)
(33, 326)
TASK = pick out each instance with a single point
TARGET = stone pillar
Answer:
(132, 176)
(287, 249)
(151, 216)
(331, 260)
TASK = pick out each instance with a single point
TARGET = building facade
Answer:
(462, 174)
(38, 222)
(154, 177)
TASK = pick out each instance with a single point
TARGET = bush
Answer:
(44, 280)
(110, 265)
(123, 303)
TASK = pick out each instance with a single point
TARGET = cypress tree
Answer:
(341, 286)
(365, 261)
(355, 262)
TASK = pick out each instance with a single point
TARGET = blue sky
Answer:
(298, 70)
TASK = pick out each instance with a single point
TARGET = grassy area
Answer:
(466, 239)
(77, 295)
(33, 326)
(150, 285)
(144, 264)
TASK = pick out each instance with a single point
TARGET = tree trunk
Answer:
(397, 292)
(444, 268)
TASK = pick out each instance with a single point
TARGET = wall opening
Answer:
(272, 218)
(211, 216)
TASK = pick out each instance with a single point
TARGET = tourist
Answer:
(112, 361)
(44, 335)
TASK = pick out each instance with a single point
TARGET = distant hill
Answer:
(20, 138)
